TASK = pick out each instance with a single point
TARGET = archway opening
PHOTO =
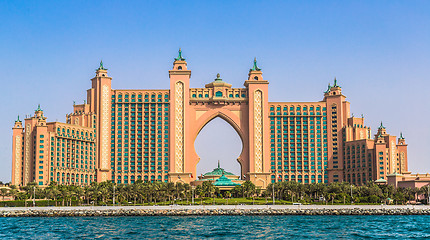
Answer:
(218, 141)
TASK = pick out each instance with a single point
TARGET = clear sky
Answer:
(378, 50)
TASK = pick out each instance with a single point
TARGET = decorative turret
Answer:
(401, 140)
(333, 90)
(381, 130)
(219, 87)
(254, 67)
(380, 138)
(18, 123)
(335, 83)
(180, 58)
(218, 82)
(101, 71)
(255, 75)
(38, 113)
(38, 109)
(180, 64)
(101, 66)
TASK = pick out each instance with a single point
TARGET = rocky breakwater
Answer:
(58, 212)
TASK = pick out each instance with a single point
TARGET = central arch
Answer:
(234, 119)
(218, 143)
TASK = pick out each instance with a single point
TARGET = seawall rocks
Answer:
(58, 212)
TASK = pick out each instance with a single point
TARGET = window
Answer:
(218, 94)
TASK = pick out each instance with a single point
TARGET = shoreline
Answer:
(213, 210)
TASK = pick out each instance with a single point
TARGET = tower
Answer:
(99, 98)
(17, 152)
(402, 149)
(337, 115)
(259, 154)
(179, 103)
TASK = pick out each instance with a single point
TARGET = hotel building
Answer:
(141, 134)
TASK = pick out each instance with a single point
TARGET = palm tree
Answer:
(4, 192)
(424, 190)
(13, 191)
(169, 188)
(155, 190)
(187, 191)
(23, 196)
(64, 193)
(200, 191)
(87, 194)
(79, 193)
(248, 188)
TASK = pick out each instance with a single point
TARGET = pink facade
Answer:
(149, 135)
(408, 180)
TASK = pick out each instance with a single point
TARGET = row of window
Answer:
(298, 108)
(132, 99)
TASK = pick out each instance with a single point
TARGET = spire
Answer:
(335, 83)
(18, 119)
(101, 66)
(180, 58)
(382, 126)
(38, 108)
(218, 165)
(254, 67)
(401, 135)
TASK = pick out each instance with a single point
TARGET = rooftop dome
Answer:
(218, 172)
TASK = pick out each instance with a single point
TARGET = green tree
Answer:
(248, 188)
(4, 192)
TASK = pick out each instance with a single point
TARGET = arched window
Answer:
(255, 78)
(218, 94)
(179, 68)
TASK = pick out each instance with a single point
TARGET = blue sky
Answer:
(378, 50)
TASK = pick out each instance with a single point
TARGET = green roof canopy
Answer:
(224, 181)
(218, 172)
(381, 181)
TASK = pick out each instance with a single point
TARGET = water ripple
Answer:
(218, 227)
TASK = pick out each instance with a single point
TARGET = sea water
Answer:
(217, 227)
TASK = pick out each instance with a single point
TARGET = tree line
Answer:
(169, 193)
